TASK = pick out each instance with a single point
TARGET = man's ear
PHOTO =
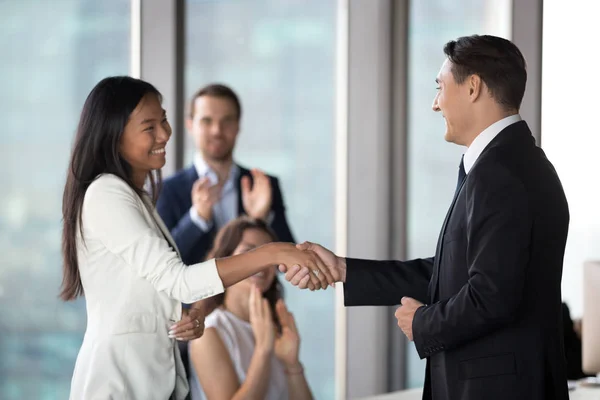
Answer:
(188, 124)
(476, 86)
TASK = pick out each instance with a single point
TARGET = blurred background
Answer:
(337, 103)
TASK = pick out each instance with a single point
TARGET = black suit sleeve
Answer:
(384, 283)
(498, 237)
(279, 223)
(192, 241)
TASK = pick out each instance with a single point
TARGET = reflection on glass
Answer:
(433, 163)
(53, 53)
(279, 57)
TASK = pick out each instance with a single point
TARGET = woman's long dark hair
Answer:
(228, 238)
(96, 151)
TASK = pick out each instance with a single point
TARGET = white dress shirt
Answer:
(226, 208)
(484, 138)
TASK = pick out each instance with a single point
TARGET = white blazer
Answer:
(134, 283)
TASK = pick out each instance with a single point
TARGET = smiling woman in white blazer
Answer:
(119, 255)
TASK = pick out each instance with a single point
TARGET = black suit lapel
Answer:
(238, 186)
(433, 286)
(191, 177)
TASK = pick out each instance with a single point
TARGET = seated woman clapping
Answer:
(250, 345)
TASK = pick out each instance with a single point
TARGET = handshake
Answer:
(310, 265)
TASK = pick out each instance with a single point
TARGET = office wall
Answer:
(570, 133)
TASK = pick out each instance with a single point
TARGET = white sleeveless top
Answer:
(238, 338)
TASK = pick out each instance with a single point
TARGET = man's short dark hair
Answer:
(497, 61)
(217, 90)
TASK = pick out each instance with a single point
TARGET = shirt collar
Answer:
(484, 138)
(204, 170)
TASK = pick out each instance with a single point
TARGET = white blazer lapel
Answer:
(158, 222)
(165, 231)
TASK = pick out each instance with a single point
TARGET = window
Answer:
(53, 54)
(570, 131)
(279, 57)
(433, 163)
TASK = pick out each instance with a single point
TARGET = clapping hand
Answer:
(287, 344)
(261, 321)
(257, 196)
(204, 197)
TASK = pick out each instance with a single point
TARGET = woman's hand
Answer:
(191, 326)
(261, 321)
(287, 344)
(316, 275)
(313, 273)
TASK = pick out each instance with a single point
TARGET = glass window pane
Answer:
(53, 53)
(279, 57)
(570, 131)
(432, 162)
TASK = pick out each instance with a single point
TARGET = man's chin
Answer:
(219, 156)
(448, 137)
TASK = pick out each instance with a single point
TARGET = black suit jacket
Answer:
(175, 202)
(491, 328)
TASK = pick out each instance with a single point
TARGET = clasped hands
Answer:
(321, 268)
(311, 266)
(307, 266)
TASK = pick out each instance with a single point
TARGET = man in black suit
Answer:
(197, 201)
(486, 310)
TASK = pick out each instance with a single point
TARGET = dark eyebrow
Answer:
(437, 81)
(151, 120)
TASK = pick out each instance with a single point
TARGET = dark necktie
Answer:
(461, 174)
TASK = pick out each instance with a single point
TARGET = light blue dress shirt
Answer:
(226, 208)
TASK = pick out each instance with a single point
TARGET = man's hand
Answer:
(257, 199)
(299, 262)
(405, 315)
(204, 196)
(335, 266)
